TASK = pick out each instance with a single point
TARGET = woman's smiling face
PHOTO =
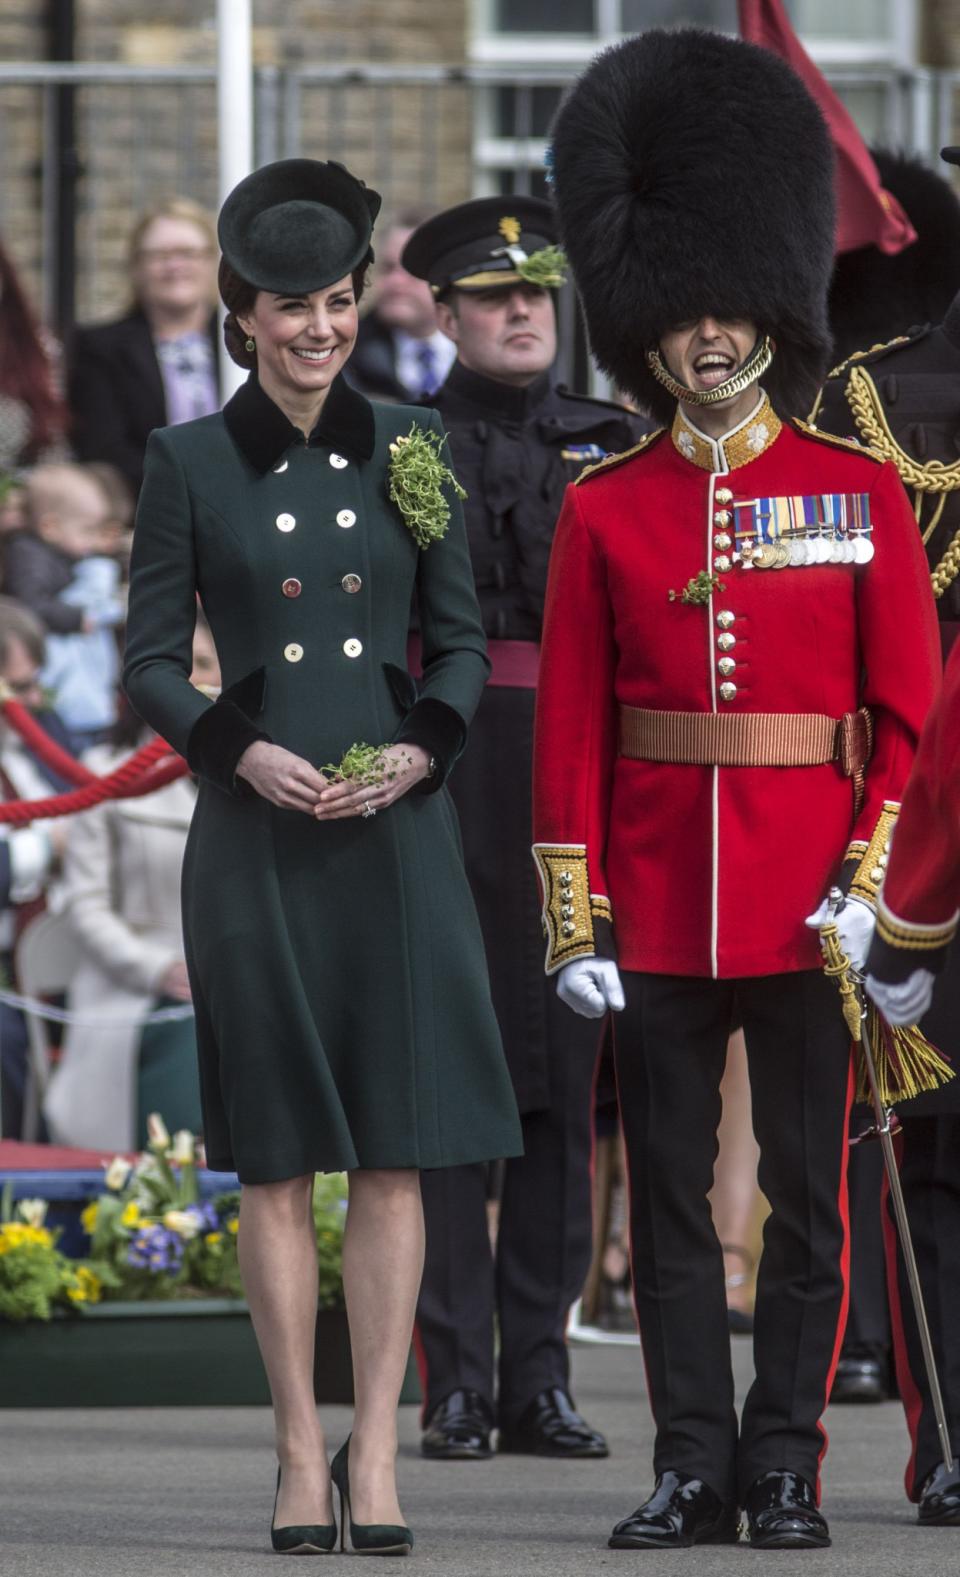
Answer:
(302, 341)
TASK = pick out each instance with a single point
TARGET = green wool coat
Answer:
(343, 1009)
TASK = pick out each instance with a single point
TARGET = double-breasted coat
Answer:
(343, 1008)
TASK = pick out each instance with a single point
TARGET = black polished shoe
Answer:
(860, 1380)
(680, 1512)
(940, 1497)
(782, 1514)
(458, 1429)
(552, 1427)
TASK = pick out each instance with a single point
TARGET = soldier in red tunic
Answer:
(724, 729)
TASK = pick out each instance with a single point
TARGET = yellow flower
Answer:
(88, 1217)
(130, 1215)
(233, 1225)
(16, 1234)
(213, 1238)
(87, 1287)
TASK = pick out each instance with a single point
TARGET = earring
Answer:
(250, 344)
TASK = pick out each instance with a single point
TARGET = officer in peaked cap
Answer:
(718, 657)
(517, 440)
(902, 398)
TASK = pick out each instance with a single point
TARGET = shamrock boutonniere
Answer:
(698, 590)
(418, 475)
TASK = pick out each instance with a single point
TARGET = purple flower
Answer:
(156, 1250)
(206, 1211)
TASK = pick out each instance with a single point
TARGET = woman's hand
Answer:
(175, 982)
(281, 777)
(403, 765)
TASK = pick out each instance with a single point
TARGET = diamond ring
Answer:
(368, 810)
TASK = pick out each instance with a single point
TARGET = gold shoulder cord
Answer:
(935, 478)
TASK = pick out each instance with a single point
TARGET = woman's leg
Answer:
(278, 1261)
(382, 1266)
(735, 1197)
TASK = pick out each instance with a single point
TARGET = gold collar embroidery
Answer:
(738, 447)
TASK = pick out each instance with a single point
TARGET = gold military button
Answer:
(723, 540)
(293, 652)
(728, 691)
(568, 928)
(285, 522)
(351, 583)
(721, 563)
(726, 641)
(723, 495)
(281, 467)
(725, 618)
(721, 517)
(565, 878)
(353, 647)
(346, 518)
(338, 462)
(876, 875)
(726, 666)
(291, 587)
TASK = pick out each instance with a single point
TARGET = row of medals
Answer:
(799, 551)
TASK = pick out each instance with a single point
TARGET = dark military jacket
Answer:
(515, 451)
(903, 400)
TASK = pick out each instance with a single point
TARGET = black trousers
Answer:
(930, 1177)
(542, 1255)
(670, 1050)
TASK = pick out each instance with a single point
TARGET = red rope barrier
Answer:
(151, 767)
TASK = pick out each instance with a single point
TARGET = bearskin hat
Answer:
(693, 175)
(875, 295)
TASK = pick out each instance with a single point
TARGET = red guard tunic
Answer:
(711, 869)
(919, 905)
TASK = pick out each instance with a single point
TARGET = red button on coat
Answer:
(291, 587)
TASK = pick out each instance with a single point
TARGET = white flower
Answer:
(184, 1222)
(157, 1136)
(117, 1173)
(757, 437)
(686, 445)
(183, 1147)
(32, 1211)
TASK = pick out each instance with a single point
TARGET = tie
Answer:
(427, 368)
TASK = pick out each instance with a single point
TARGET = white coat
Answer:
(121, 895)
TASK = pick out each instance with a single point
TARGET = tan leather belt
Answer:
(747, 739)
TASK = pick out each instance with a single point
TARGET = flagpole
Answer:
(234, 124)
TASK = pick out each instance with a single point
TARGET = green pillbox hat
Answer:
(297, 225)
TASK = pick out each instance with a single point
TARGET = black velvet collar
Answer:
(263, 433)
(504, 400)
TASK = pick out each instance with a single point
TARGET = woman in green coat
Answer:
(342, 1005)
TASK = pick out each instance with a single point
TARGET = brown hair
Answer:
(17, 621)
(239, 296)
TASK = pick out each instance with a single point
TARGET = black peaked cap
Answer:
(297, 225)
(693, 175)
(464, 246)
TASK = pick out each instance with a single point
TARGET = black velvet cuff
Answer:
(604, 944)
(439, 730)
(893, 964)
(216, 742)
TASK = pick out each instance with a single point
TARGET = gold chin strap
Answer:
(753, 368)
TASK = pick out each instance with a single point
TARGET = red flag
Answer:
(866, 214)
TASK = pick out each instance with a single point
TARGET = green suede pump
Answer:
(317, 1538)
(370, 1538)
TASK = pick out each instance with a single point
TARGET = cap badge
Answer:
(510, 230)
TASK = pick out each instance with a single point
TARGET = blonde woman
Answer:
(156, 365)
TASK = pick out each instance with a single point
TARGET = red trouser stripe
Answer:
(843, 1206)
(910, 1393)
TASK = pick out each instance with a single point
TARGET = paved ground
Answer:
(188, 1493)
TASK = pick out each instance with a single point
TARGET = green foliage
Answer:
(35, 1278)
(546, 267)
(418, 476)
(330, 1216)
(699, 589)
(368, 766)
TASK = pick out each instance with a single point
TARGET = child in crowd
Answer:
(62, 567)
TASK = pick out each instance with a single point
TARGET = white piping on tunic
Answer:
(720, 469)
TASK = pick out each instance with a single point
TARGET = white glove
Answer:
(904, 1002)
(31, 855)
(855, 924)
(590, 986)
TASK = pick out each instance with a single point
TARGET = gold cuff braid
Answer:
(872, 866)
(567, 905)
